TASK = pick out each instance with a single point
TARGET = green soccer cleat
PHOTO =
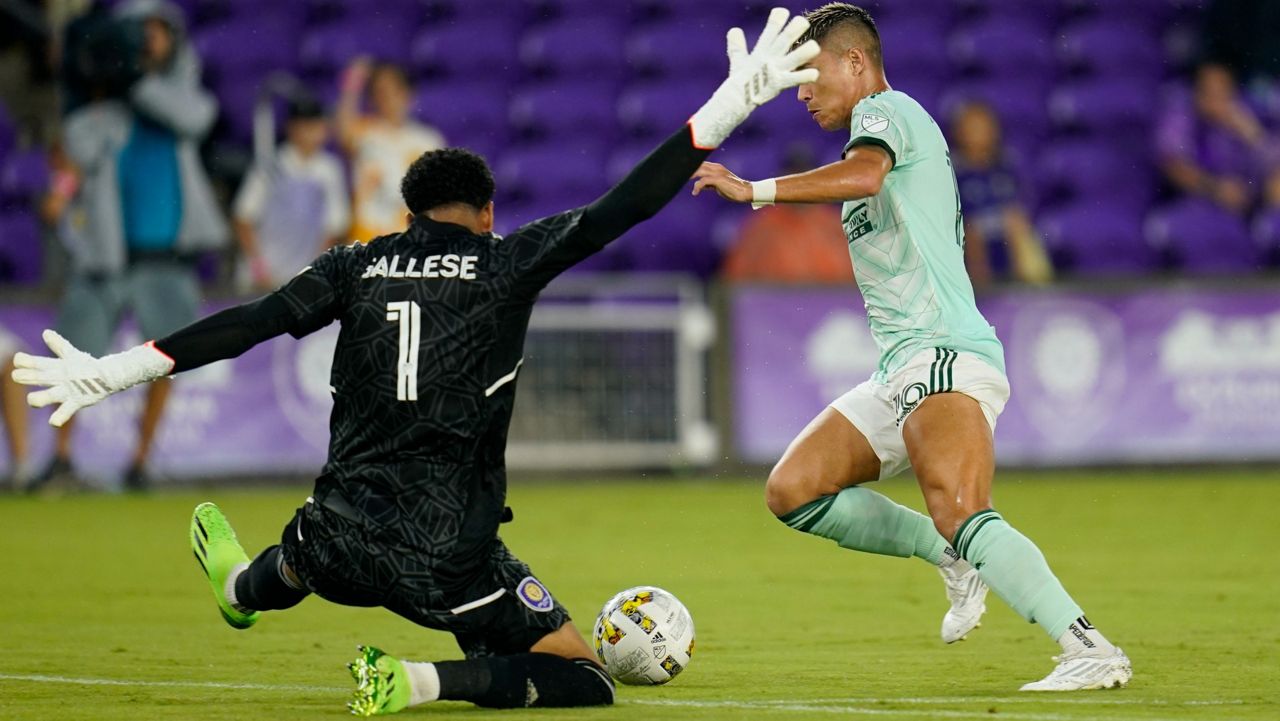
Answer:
(219, 554)
(382, 686)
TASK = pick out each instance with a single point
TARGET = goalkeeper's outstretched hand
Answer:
(76, 380)
(755, 77)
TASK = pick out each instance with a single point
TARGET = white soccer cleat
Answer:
(1088, 670)
(968, 595)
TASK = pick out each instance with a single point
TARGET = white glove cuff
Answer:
(724, 111)
(763, 192)
(139, 364)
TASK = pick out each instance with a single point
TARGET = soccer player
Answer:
(933, 402)
(405, 514)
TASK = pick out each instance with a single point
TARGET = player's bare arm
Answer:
(859, 175)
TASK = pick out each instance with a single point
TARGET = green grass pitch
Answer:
(106, 616)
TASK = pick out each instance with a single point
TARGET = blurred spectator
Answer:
(381, 145)
(13, 406)
(1211, 144)
(294, 206)
(135, 204)
(791, 243)
(1000, 241)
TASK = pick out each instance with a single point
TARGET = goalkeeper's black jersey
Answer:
(425, 370)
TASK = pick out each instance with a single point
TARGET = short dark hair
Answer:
(446, 177)
(830, 17)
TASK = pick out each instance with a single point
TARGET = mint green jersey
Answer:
(907, 242)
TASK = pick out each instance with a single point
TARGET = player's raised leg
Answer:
(240, 588)
(949, 441)
(815, 489)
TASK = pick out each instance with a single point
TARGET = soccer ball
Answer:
(644, 636)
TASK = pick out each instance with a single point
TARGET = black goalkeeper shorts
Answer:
(505, 611)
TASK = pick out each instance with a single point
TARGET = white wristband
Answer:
(763, 193)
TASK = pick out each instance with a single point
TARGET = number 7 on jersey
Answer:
(409, 314)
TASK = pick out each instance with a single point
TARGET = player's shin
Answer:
(863, 520)
(265, 585)
(519, 681)
(1017, 571)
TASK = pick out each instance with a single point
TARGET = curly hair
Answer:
(832, 16)
(445, 177)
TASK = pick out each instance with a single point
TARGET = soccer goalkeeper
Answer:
(405, 514)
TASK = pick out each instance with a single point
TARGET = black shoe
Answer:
(135, 480)
(57, 469)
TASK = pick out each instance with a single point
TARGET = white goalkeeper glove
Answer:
(755, 78)
(77, 380)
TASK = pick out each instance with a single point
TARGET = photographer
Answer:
(135, 204)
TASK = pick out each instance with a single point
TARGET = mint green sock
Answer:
(863, 520)
(1016, 570)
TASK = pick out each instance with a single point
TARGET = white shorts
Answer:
(878, 410)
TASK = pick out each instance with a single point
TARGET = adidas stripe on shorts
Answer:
(878, 409)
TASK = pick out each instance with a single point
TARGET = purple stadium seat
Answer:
(1007, 48)
(1097, 239)
(450, 49)
(21, 249)
(576, 8)
(1039, 13)
(1116, 107)
(915, 46)
(1077, 170)
(678, 239)
(653, 110)
(572, 172)
(471, 114)
(1105, 47)
(327, 49)
(408, 12)
(1203, 238)
(575, 48)
(247, 47)
(676, 50)
(569, 109)
(1152, 13)
(24, 176)
(887, 13)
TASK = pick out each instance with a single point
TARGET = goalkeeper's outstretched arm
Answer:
(76, 379)
(755, 78)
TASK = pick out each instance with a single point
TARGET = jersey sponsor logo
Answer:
(874, 123)
(533, 594)
(857, 222)
(462, 267)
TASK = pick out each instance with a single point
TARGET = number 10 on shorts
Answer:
(409, 314)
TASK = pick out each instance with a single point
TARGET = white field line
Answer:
(862, 706)
(849, 710)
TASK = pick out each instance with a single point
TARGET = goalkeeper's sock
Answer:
(1016, 570)
(863, 520)
(424, 682)
(519, 681)
(265, 584)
